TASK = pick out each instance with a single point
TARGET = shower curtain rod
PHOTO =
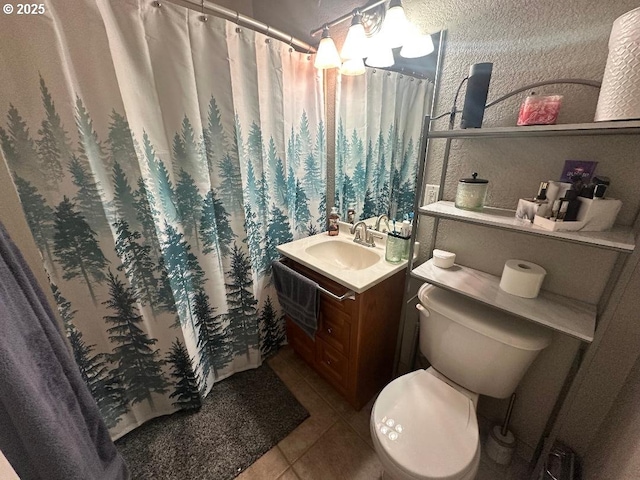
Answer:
(210, 8)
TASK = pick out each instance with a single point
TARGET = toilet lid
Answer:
(428, 428)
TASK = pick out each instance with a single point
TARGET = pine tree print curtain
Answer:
(378, 128)
(160, 160)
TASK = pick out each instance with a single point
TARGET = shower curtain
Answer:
(160, 160)
(379, 121)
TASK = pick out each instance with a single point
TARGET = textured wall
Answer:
(607, 365)
(616, 453)
(528, 42)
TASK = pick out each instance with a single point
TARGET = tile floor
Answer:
(334, 442)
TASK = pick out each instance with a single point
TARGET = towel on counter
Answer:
(298, 296)
(50, 425)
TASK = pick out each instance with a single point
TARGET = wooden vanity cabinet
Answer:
(355, 343)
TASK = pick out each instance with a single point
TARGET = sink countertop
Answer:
(356, 280)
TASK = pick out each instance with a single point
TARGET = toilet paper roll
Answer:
(522, 278)
(620, 92)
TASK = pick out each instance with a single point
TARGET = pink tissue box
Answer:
(540, 110)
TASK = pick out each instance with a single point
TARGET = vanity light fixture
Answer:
(327, 55)
(372, 35)
(416, 44)
(394, 26)
(355, 45)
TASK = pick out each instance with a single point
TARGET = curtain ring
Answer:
(291, 44)
(267, 40)
(238, 29)
(203, 17)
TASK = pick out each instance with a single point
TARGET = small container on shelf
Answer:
(443, 259)
(540, 110)
(471, 193)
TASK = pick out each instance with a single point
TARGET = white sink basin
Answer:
(355, 266)
(344, 255)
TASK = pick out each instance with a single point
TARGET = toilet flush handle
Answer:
(421, 309)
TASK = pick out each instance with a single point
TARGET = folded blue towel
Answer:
(298, 296)
(50, 426)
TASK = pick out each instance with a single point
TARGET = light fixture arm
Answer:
(575, 81)
(357, 17)
(559, 81)
(347, 16)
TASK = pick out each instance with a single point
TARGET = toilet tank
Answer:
(480, 348)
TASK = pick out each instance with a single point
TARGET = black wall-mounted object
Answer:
(476, 96)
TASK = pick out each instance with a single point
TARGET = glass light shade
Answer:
(352, 67)
(355, 45)
(381, 58)
(394, 27)
(416, 45)
(327, 55)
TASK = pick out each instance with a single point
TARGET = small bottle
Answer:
(542, 193)
(544, 208)
(351, 214)
(405, 229)
(334, 228)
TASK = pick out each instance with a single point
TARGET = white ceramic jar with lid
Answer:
(471, 193)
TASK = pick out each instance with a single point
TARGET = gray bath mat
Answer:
(242, 418)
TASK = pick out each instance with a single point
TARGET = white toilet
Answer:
(424, 424)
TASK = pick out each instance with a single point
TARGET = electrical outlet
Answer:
(431, 194)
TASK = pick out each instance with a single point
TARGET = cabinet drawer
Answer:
(334, 328)
(331, 364)
(345, 306)
(300, 342)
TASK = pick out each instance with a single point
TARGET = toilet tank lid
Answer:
(486, 320)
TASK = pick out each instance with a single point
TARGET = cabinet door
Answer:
(332, 365)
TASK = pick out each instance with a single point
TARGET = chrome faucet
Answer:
(357, 230)
(379, 220)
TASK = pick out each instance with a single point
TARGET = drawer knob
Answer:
(328, 362)
(329, 331)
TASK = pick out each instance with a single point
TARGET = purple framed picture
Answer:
(575, 170)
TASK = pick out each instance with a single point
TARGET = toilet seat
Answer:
(426, 429)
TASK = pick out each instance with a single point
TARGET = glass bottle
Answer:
(334, 227)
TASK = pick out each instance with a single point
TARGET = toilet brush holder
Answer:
(501, 443)
(500, 447)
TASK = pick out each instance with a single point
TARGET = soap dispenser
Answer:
(334, 227)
